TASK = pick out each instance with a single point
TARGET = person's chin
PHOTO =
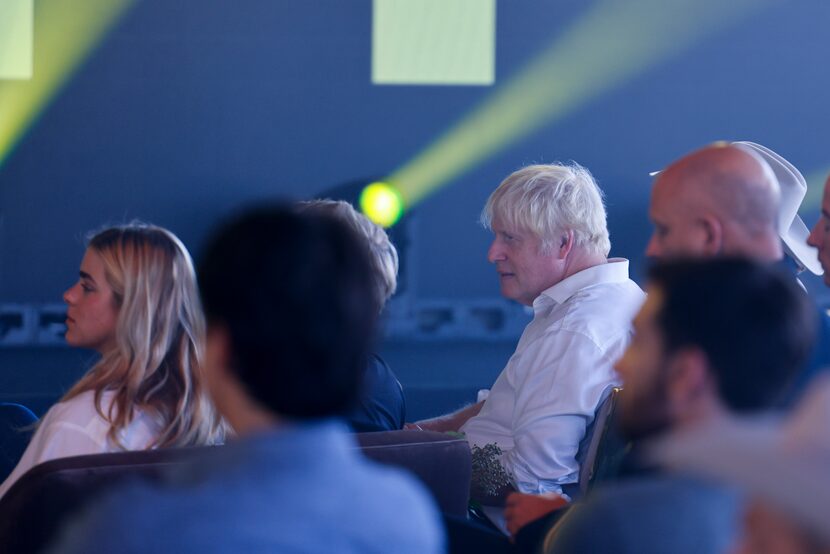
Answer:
(508, 292)
(73, 341)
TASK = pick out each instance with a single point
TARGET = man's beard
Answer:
(647, 415)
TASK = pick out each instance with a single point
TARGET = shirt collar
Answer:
(614, 271)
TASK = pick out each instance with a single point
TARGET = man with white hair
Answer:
(550, 251)
(725, 199)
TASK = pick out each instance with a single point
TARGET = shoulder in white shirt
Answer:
(542, 402)
(74, 428)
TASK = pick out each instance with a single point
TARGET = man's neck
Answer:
(244, 414)
(251, 422)
(765, 247)
(705, 408)
(579, 260)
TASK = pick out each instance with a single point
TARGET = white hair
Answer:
(383, 255)
(548, 200)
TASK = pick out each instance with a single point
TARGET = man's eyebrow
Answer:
(85, 275)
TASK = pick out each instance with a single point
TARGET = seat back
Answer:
(36, 506)
(33, 510)
(442, 463)
(605, 446)
(16, 427)
(601, 447)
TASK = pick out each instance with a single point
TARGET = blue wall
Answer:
(189, 109)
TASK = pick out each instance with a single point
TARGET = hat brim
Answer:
(795, 241)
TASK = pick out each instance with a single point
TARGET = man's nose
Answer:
(813, 238)
(653, 248)
(495, 252)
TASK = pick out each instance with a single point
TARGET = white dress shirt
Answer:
(547, 394)
(74, 428)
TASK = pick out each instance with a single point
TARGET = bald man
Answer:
(737, 199)
(721, 199)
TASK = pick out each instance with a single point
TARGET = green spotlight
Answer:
(382, 203)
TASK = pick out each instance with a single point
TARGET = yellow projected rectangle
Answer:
(16, 38)
(434, 42)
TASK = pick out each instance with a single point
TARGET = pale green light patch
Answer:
(434, 42)
(815, 191)
(67, 31)
(16, 38)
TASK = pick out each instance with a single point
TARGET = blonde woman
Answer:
(135, 303)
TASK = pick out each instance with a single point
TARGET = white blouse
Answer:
(74, 428)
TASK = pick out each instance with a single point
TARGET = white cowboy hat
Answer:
(791, 228)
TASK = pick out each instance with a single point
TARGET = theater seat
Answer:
(600, 451)
(606, 448)
(443, 463)
(35, 507)
(33, 510)
(16, 427)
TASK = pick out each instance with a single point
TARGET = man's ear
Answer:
(712, 235)
(566, 244)
(689, 382)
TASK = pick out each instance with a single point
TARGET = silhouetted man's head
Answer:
(724, 334)
(290, 307)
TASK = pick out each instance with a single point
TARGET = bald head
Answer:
(722, 199)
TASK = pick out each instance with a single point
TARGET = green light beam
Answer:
(615, 41)
(65, 33)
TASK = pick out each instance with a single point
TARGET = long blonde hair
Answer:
(156, 366)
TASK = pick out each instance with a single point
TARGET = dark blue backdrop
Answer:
(189, 109)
